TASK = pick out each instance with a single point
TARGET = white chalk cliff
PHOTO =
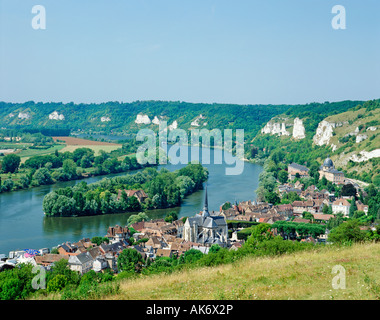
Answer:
(105, 119)
(361, 137)
(173, 126)
(23, 115)
(275, 128)
(195, 123)
(156, 120)
(142, 119)
(56, 116)
(324, 133)
(364, 155)
(298, 129)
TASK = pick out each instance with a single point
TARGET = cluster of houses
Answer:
(312, 199)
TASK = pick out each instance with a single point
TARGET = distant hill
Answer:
(115, 117)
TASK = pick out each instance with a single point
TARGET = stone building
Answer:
(206, 229)
(328, 171)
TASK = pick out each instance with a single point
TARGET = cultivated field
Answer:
(75, 143)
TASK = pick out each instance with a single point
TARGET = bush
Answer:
(57, 283)
(347, 232)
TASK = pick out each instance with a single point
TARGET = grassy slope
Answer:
(304, 275)
(354, 122)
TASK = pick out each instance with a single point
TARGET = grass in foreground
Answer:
(301, 276)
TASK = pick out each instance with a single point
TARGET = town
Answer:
(162, 238)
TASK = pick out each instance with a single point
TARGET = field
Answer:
(75, 143)
(300, 276)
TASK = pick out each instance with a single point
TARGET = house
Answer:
(324, 218)
(301, 220)
(341, 206)
(82, 262)
(362, 207)
(164, 253)
(111, 261)
(99, 264)
(284, 210)
(113, 248)
(154, 242)
(48, 259)
(139, 194)
(138, 226)
(295, 169)
(68, 248)
(236, 245)
(117, 233)
(301, 206)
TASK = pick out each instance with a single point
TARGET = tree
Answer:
(335, 221)
(185, 185)
(348, 190)
(134, 218)
(129, 260)
(69, 168)
(171, 216)
(307, 215)
(85, 162)
(347, 232)
(272, 197)
(11, 163)
(376, 180)
(353, 208)
(260, 233)
(99, 240)
(283, 176)
(214, 248)
(42, 177)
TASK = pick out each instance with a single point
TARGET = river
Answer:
(23, 224)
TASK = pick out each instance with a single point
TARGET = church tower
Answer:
(205, 212)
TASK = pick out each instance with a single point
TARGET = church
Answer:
(328, 171)
(206, 229)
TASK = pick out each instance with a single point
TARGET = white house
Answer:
(82, 262)
(341, 206)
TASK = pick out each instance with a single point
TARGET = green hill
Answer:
(349, 136)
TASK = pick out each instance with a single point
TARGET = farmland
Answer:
(71, 144)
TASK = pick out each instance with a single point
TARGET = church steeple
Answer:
(205, 212)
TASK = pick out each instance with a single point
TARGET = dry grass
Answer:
(301, 276)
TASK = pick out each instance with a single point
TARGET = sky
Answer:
(211, 51)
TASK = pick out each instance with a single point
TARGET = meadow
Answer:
(302, 276)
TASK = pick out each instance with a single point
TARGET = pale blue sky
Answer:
(245, 52)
